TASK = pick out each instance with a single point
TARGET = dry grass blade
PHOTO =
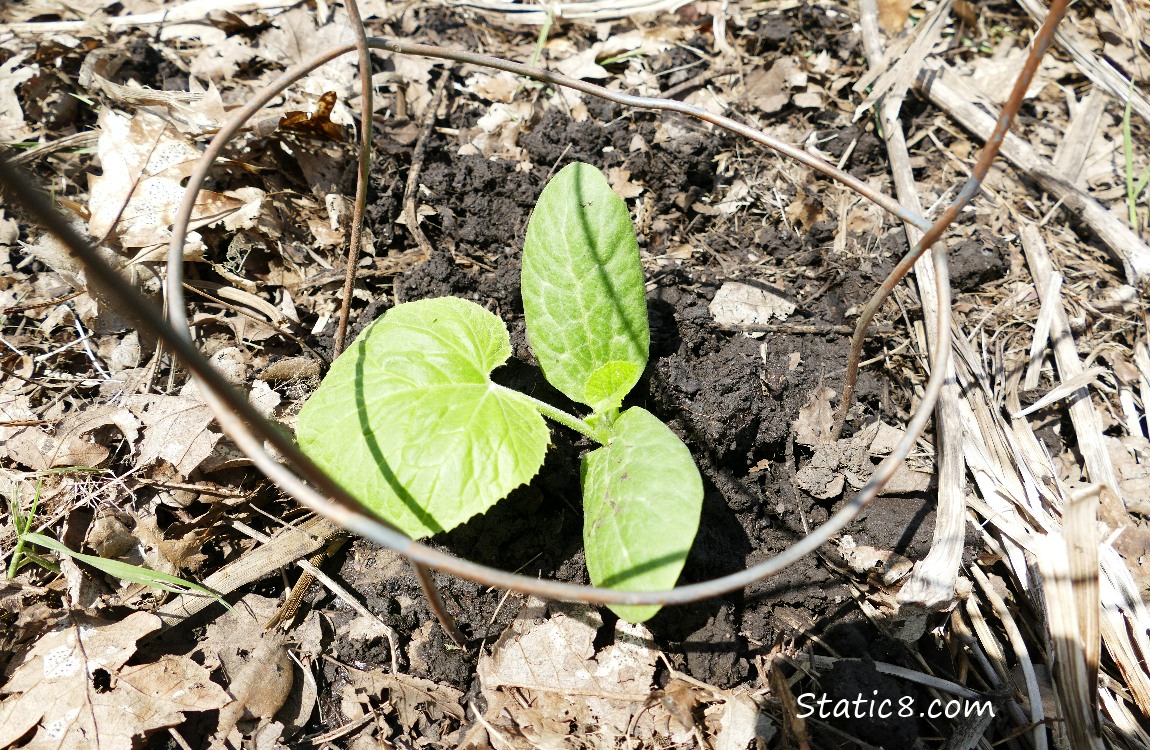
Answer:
(1051, 303)
(1072, 386)
(590, 11)
(1087, 425)
(1070, 158)
(1080, 528)
(1018, 644)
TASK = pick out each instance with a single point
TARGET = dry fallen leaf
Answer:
(548, 654)
(620, 180)
(80, 439)
(884, 567)
(295, 37)
(892, 15)
(741, 723)
(737, 304)
(13, 72)
(413, 698)
(769, 89)
(144, 162)
(72, 689)
(816, 417)
(175, 429)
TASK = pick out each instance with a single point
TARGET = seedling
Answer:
(409, 421)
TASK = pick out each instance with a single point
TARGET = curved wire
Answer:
(242, 423)
(249, 430)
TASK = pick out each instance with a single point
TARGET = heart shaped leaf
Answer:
(410, 423)
(583, 294)
(642, 497)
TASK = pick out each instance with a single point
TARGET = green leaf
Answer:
(583, 293)
(642, 497)
(408, 420)
(124, 571)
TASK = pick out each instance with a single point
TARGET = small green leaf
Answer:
(409, 422)
(610, 383)
(642, 497)
(583, 294)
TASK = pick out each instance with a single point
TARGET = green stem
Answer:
(17, 554)
(567, 420)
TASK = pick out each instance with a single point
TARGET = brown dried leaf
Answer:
(260, 685)
(144, 161)
(737, 304)
(892, 15)
(816, 418)
(175, 429)
(13, 72)
(296, 38)
(620, 180)
(741, 723)
(72, 689)
(548, 655)
(412, 697)
(75, 442)
(884, 567)
(770, 89)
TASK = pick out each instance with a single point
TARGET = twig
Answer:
(311, 570)
(410, 214)
(366, 121)
(431, 592)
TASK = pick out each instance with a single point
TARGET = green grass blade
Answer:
(124, 571)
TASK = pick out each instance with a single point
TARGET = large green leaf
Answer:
(583, 290)
(409, 422)
(642, 497)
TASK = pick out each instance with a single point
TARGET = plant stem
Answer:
(21, 521)
(556, 414)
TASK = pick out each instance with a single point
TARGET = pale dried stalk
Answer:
(1018, 643)
(1051, 302)
(1069, 667)
(1102, 72)
(1080, 529)
(1087, 423)
(931, 586)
